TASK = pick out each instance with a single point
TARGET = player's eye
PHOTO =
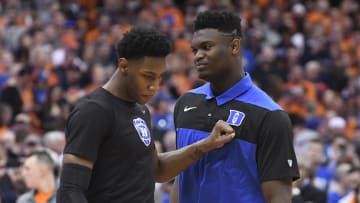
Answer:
(207, 47)
(149, 77)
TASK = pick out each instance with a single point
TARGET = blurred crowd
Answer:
(305, 54)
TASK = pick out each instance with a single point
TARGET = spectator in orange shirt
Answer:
(39, 172)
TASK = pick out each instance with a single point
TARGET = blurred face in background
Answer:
(353, 179)
(31, 144)
(3, 156)
(338, 148)
(32, 172)
(315, 153)
(304, 170)
(56, 94)
(98, 75)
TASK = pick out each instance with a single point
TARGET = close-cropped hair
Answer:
(140, 42)
(223, 21)
(45, 157)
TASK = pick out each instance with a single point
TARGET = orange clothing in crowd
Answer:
(293, 108)
(42, 197)
(70, 41)
(309, 88)
(346, 45)
(315, 18)
(182, 83)
(263, 4)
(320, 110)
(353, 71)
(35, 123)
(175, 14)
(90, 88)
(2, 22)
(88, 4)
(52, 78)
(2, 69)
(353, 200)
(27, 97)
(183, 44)
(3, 131)
(92, 36)
(351, 127)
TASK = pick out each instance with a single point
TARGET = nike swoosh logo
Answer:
(290, 162)
(187, 108)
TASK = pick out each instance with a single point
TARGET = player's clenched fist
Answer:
(221, 134)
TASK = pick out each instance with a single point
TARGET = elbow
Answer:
(162, 171)
(159, 173)
(160, 178)
(284, 198)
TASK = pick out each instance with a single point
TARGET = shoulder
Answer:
(96, 103)
(278, 115)
(89, 111)
(203, 89)
(277, 121)
(190, 99)
(197, 93)
(259, 98)
(96, 99)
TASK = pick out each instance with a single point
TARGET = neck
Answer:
(116, 87)
(47, 184)
(224, 83)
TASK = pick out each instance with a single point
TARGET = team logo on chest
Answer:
(235, 118)
(142, 130)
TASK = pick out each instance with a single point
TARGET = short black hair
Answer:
(223, 21)
(140, 42)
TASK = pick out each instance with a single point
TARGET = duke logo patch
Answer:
(235, 118)
(142, 130)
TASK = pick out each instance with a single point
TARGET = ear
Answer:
(235, 46)
(123, 65)
(42, 169)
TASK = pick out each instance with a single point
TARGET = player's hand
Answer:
(221, 134)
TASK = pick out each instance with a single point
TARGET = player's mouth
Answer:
(200, 66)
(148, 95)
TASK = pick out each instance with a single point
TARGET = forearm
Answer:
(172, 163)
(168, 165)
(279, 199)
(277, 191)
(64, 196)
(74, 181)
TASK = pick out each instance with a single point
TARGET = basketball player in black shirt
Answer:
(110, 154)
